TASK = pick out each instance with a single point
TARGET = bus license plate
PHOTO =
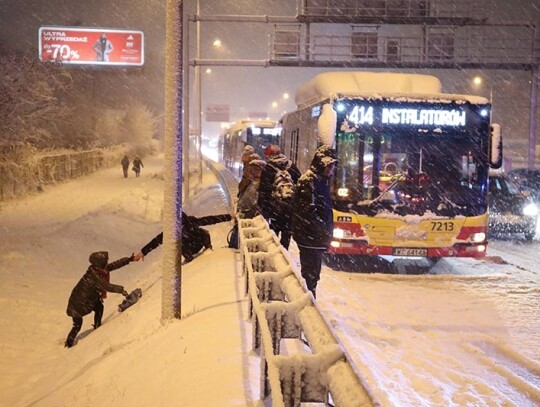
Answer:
(403, 251)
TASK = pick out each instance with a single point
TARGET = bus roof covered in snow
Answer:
(375, 84)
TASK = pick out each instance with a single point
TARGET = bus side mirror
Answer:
(495, 146)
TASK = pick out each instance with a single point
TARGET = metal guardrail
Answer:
(281, 307)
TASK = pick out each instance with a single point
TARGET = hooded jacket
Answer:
(267, 204)
(313, 222)
(246, 174)
(94, 283)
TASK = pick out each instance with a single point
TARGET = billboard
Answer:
(91, 46)
(217, 113)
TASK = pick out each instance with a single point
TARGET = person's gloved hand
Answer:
(137, 256)
(125, 293)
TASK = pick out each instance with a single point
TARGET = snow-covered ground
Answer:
(464, 334)
(132, 360)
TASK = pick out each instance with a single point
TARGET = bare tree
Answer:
(140, 125)
(32, 100)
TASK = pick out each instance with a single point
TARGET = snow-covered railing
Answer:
(281, 307)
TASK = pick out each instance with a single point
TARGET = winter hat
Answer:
(271, 149)
(324, 156)
(99, 259)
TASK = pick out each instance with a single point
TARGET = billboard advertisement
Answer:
(217, 113)
(91, 46)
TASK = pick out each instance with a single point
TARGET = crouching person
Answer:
(88, 294)
(194, 237)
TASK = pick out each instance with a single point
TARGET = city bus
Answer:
(412, 176)
(233, 139)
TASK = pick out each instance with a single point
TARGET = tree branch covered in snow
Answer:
(31, 96)
(41, 105)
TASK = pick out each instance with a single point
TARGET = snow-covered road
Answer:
(465, 333)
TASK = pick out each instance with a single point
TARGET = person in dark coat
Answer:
(246, 173)
(277, 213)
(246, 206)
(125, 165)
(194, 237)
(88, 294)
(137, 164)
(313, 222)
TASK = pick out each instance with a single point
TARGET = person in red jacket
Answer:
(88, 294)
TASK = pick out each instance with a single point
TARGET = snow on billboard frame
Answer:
(75, 45)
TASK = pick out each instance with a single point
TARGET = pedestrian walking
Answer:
(313, 222)
(276, 192)
(137, 164)
(90, 291)
(125, 165)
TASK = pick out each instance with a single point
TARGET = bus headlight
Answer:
(478, 237)
(339, 233)
(343, 192)
(530, 210)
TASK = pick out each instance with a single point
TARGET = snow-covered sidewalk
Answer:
(132, 360)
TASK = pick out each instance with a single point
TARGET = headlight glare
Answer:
(478, 237)
(530, 210)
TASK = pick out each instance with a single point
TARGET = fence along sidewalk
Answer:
(281, 307)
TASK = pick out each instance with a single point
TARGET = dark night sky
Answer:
(248, 89)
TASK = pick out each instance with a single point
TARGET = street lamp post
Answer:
(198, 120)
(533, 124)
(172, 216)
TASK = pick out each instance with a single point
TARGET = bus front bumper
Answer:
(359, 247)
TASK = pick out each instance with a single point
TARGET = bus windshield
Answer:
(403, 171)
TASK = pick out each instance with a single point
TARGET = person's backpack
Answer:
(232, 237)
(283, 187)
